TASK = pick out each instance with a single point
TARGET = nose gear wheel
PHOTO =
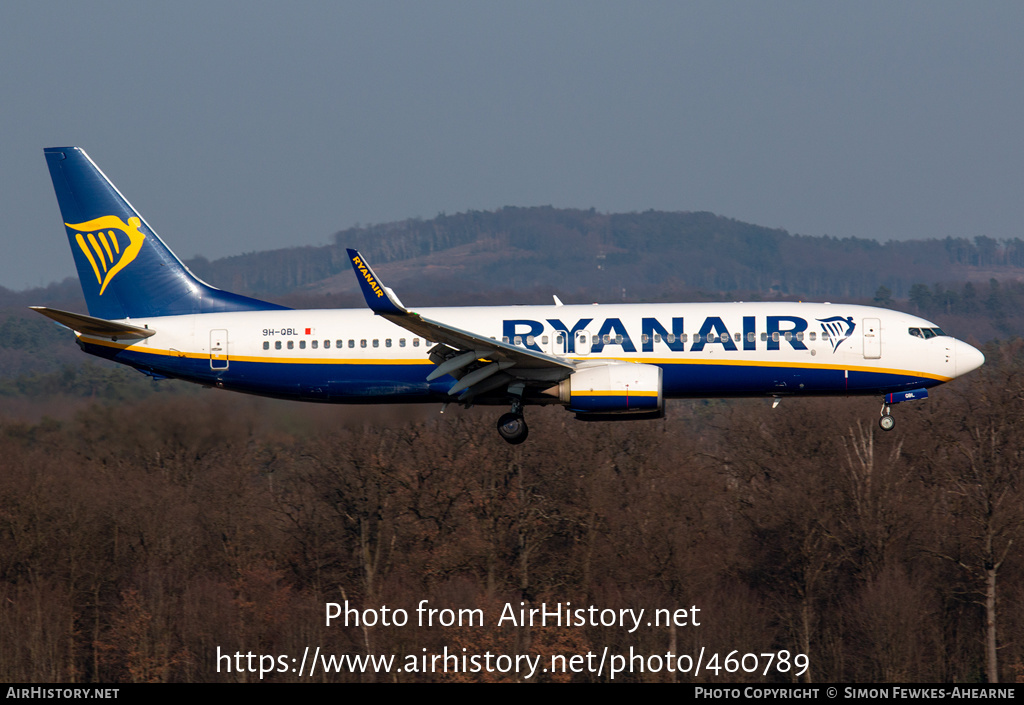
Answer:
(886, 422)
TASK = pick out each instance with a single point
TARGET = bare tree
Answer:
(978, 469)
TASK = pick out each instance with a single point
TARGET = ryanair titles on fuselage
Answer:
(776, 330)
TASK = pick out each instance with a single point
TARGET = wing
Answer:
(481, 364)
(94, 327)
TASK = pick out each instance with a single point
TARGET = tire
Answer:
(887, 423)
(512, 427)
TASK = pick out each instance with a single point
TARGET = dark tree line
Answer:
(137, 537)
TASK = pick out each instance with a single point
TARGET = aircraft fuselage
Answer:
(705, 350)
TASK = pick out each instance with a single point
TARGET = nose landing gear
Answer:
(886, 422)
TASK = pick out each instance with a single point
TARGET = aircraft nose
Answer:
(968, 358)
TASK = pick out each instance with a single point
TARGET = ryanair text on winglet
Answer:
(365, 271)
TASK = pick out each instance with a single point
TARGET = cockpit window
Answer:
(916, 332)
(928, 333)
(938, 331)
(925, 332)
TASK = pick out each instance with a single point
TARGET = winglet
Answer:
(379, 298)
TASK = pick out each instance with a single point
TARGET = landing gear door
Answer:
(872, 339)
(218, 349)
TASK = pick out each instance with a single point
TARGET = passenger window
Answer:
(277, 345)
(504, 338)
(775, 337)
(387, 342)
(416, 342)
(644, 338)
(618, 340)
(764, 337)
(800, 335)
(327, 344)
(266, 345)
(657, 337)
(291, 344)
(519, 340)
(544, 340)
(696, 337)
(376, 343)
(682, 338)
(750, 337)
(401, 342)
(824, 335)
(302, 345)
(812, 335)
(529, 340)
(560, 339)
(737, 337)
(362, 343)
(671, 338)
(351, 343)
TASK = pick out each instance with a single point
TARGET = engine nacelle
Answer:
(615, 388)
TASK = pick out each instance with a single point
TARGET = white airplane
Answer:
(601, 362)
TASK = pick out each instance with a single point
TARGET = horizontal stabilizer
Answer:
(96, 327)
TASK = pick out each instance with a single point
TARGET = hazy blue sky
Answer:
(241, 126)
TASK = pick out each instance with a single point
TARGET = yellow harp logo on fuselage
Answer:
(102, 241)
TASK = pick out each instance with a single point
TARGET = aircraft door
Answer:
(218, 349)
(872, 338)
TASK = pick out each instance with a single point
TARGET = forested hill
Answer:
(635, 256)
(973, 288)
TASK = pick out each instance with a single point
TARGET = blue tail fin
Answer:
(125, 269)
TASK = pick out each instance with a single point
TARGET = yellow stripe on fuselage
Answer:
(264, 359)
(612, 393)
(422, 361)
(768, 363)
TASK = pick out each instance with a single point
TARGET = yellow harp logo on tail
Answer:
(109, 244)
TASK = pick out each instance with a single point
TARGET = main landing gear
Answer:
(512, 426)
(886, 422)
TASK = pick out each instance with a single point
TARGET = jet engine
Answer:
(613, 390)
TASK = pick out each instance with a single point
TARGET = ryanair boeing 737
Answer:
(601, 362)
